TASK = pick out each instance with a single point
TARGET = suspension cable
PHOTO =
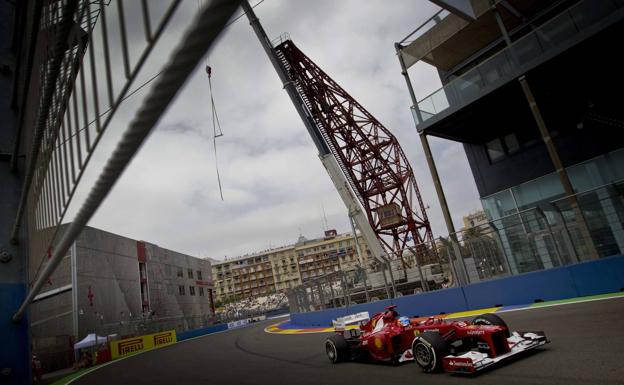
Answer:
(216, 127)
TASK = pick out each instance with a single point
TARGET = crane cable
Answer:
(216, 127)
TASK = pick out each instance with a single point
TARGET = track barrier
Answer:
(600, 276)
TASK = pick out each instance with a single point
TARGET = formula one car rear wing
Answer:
(341, 323)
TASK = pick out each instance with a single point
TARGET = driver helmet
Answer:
(404, 321)
(390, 315)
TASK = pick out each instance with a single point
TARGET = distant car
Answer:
(434, 344)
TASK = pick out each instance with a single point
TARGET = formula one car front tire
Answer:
(337, 349)
(429, 349)
(492, 320)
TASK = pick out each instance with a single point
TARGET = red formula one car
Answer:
(434, 344)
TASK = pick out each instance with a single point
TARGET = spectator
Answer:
(85, 360)
(37, 370)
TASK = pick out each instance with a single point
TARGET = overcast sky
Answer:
(274, 185)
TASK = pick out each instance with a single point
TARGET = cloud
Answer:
(274, 185)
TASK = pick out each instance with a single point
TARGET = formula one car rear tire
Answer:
(492, 320)
(337, 349)
(429, 348)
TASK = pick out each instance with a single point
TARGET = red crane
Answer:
(369, 155)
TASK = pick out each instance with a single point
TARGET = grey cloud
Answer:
(273, 182)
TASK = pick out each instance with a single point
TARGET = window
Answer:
(199, 275)
(180, 273)
(511, 142)
(192, 290)
(499, 205)
(168, 270)
(201, 291)
(190, 273)
(181, 289)
(538, 191)
(498, 148)
(170, 290)
(495, 150)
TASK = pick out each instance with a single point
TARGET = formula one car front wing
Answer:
(472, 362)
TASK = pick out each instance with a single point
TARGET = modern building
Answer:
(120, 286)
(528, 89)
(281, 268)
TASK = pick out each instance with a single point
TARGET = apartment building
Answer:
(333, 252)
(475, 219)
(278, 269)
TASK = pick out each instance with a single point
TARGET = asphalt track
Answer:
(587, 348)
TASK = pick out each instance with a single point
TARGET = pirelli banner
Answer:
(133, 345)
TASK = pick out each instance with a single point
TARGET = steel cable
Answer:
(216, 125)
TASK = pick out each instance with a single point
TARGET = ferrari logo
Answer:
(416, 332)
(378, 343)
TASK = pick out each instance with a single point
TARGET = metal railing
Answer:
(504, 65)
(537, 238)
(77, 104)
(372, 282)
(78, 101)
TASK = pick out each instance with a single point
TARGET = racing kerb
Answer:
(605, 275)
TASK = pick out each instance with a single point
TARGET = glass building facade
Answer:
(540, 228)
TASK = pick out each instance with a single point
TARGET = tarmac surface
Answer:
(587, 347)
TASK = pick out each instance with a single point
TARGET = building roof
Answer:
(299, 244)
(451, 39)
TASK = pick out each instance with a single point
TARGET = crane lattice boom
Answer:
(369, 155)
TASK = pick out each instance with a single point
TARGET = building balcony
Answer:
(579, 22)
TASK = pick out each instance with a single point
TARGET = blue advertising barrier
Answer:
(435, 302)
(545, 285)
(277, 312)
(601, 276)
(216, 328)
(15, 337)
(200, 332)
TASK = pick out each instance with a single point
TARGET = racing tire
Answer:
(429, 349)
(491, 320)
(337, 349)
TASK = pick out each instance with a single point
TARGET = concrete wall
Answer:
(109, 294)
(599, 276)
(165, 299)
(107, 264)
